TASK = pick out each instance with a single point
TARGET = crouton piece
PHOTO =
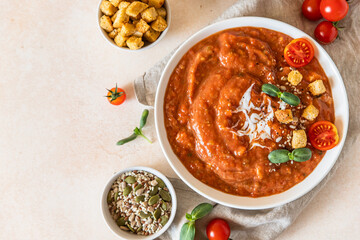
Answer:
(317, 87)
(299, 139)
(159, 24)
(127, 29)
(156, 3)
(284, 116)
(107, 8)
(113, 17)
(134, 43)
(142, 26)
(138, 34)
(295, 77)
(124, 5)
(120, 18)
(149, 14)
(113, 33)
(135, 8)
(310, 112)
(137, 18)
(151, 35)
(161, 12)
(120, 40)
(115, 2)
(105, 23)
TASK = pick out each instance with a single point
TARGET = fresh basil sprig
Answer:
(283, 155)
(137, 130)
(188, 229)
(274, 91)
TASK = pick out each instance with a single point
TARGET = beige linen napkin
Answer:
(268, 224)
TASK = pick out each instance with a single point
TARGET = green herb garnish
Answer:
(137, 130)
(283, 155)
(274, 91)
(188, 229)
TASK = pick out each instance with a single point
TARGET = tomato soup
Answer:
(222, 126)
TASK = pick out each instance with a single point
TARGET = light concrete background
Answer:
(58, 132)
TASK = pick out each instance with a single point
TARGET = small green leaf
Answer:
(279, 156)
(201, 210)
(302, 154)
(188, 217)
(126, 140)
(290, 98)
(270, 89)
(144, 117)
(187, 231)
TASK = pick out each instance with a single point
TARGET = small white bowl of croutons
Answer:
(134, 25)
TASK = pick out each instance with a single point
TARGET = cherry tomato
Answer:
(218, 229)
(326, 32)
(323, 135)
(116, 96)
(299, 52)
(334, 10)
(311, 9)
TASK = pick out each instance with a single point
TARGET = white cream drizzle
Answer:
(256, 124)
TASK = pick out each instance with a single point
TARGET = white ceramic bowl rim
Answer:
(147, 44)
(111, 223)
(323, 168)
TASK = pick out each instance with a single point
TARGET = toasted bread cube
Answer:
(113, 33)
(137, 18)
(151, 35)
(115, 2)
(124, 4)
(135, 8)
(317, 87)
(156, 3)
(105, 23)
(295, 77)
(138, 34)
(113, 17)
(159, 24)
(107, 8)
(299, 139)
(310, 112)
(134, 43)
(120, 40)
(127, 29)
(142, 26)
(162, 12)
(149, 14)
(120, 18)
(284, 116)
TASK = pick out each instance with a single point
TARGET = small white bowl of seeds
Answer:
(138, 203)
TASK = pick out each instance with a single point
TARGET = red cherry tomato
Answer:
(116, 96)
(311, 9)
(323, 135)
(326, 32)
(299, 52)
(218, 229)
(334, 10)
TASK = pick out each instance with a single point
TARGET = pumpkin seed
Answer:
(120, 221)
(160, 182)
(139, 198)
(130, 179)
(164, 206)
(154, 191)
(116, 196)
(128, 225)
(138, 187)
(109, 198)
(157, 213)
(124, 228)
(154, 199)
(139, 229)
(164, 220)
(165, 195)
(127, 190)
(144, 215)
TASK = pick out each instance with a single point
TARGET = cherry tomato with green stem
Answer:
(326, 32)
(311, 9)
(116, 96)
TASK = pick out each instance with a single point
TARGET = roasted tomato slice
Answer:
(299, 52)
(323, 135)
